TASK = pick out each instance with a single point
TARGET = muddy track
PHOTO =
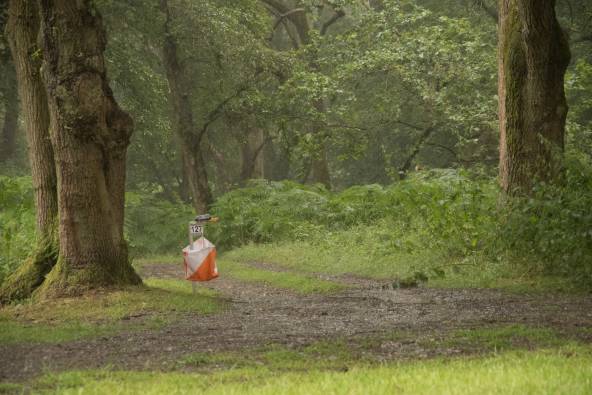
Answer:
(260, 315)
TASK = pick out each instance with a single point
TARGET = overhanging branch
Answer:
(338, 15)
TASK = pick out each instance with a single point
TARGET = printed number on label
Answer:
(196, 229)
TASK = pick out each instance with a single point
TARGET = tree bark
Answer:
(11, 112)
(533, 57)
(22, 30)
(320, 166)
(195, 172)
(185, 128)
(252, 155)
(90, 135)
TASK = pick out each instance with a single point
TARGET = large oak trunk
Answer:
(533, 56)
(22, 30)
(194, 169)
(90, 135)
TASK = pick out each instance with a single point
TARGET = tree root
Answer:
(66, 280)
(30, 274)
(46, 274)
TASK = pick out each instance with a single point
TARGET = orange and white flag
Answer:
(200, 261)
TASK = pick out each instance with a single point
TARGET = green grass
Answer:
(293, 281)
(234, 265)
(103, 313)
(365, 256)
(506, 337)
(158, 259)
(335, 355)
(566, 370)
(339, 353)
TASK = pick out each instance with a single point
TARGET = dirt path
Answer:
(260, 315)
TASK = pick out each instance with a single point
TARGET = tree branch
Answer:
(422, 139)
(489, 10)
(298, 19)
(218, 111)
(445, 148)
(338, 15)
(282, 17)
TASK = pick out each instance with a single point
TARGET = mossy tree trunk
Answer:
(90, 135)
(533, 57)
(22, 31)
(190, 138)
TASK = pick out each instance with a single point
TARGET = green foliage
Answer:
(447, 208)
(155, 226)
(17, 222)
(554, 226)
(430, 223)
(441, 218)
(152, 225)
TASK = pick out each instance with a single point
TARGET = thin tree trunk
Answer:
(252, 156)
(424, 136)
(533, 57)
(22, 30)
(90, 135)
(197, 178)
(195, 173)
(320, 166)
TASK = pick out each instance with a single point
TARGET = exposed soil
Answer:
(259, 315)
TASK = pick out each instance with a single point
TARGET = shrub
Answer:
(155, 226)
(553, 228)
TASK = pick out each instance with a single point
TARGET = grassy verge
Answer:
(103, 313)
(368, 258)
(234, 266)
(564, 370)
(293, 281)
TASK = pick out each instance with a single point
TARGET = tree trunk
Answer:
(22, 30)
(11, 112)
(252, 156)
(184, 121)
(533, 57)
(320, 167)
(90, 135)
(195, 172)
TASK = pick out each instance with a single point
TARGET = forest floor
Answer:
(351, 320)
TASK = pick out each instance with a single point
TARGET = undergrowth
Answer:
(449, 218)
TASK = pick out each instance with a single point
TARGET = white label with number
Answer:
(196, 229)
